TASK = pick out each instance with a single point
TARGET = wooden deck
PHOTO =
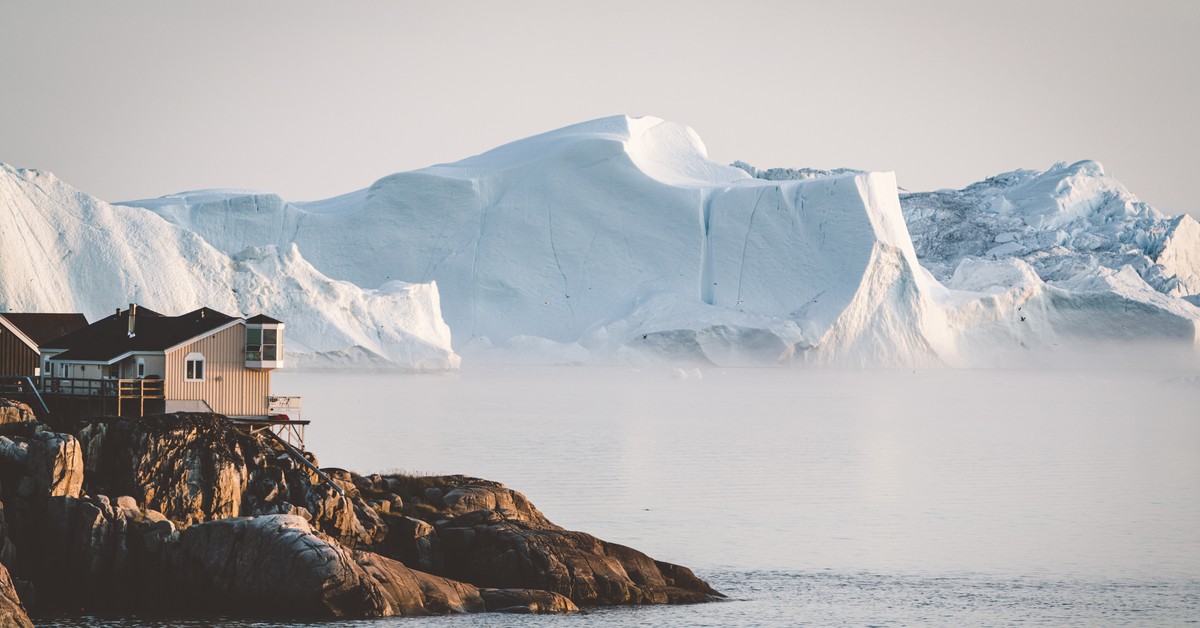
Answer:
(290, 431)
(76, 398)
(123, 397)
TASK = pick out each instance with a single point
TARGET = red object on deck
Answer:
(279, 417)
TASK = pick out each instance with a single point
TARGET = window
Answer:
(141, 368)
(253, 345)
(270, 340)
(194, 367)
(262, 345)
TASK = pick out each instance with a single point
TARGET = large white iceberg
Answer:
(619, 239)
(64, 251)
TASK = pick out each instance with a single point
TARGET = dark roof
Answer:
(42, 328)
(263, 319)
(109, 338)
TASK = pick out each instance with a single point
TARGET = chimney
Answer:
(132, 319)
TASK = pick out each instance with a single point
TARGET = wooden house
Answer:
(137, 361)
(22, 336)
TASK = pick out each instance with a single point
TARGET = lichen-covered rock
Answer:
(197, 467)
(190, 467)
(54, 466)
(475, 494)
(374, 530)
(334, 514)
(12, 411)
(12, 613)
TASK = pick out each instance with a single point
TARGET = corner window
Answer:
(194, 367)
(253, 344)
(262, 344)
(270, 344)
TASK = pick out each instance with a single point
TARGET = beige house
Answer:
(138, 361)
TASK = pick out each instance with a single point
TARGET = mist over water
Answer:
(815, 497)
(1011, 473)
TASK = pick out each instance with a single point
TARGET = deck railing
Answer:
(116, 388)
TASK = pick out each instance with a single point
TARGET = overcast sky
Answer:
(137, 99)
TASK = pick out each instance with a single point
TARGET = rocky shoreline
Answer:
(183, 514)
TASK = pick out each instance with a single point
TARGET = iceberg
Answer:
(619, 239)
(64, 251)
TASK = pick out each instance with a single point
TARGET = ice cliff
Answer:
(64, 251)
(620, 239)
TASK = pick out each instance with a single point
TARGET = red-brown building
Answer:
(22, 335)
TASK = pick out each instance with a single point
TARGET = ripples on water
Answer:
(822, 497)
(768, 598)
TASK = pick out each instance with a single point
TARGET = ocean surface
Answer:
(816, 497)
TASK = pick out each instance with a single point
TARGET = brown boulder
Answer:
(411, 592)
(54, 466)
(12, 613)
(12, 411)
(526, 601)
(273, 564)
(489, 550)
(476, 494)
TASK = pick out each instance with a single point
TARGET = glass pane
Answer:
(269, 352)
(269, 336)
(253, 336)
(191, 369)
(254, 356)
(199, 369)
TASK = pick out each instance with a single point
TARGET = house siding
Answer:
(16, 358)
(240, 391)
(156, 365)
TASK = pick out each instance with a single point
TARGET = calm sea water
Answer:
(819, 497)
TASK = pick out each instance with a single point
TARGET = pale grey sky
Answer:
(136, 99)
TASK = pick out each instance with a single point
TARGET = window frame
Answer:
(189, 370)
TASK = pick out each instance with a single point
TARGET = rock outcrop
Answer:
(485, 548)
(15, 412)
(190, 467)
(481, 532)
(197, 467)
(55, 466)
(184, 513)
(12, 613)
(273, 564)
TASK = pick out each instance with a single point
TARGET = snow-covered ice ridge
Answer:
(618, 239)
(64, 251)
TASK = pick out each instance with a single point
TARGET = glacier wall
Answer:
(600, 235)
(64, 251)
(618, 239)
